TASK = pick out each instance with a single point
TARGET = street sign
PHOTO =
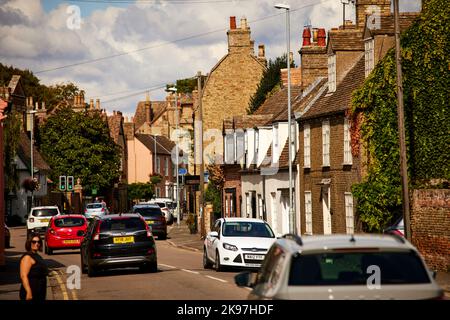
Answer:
(182, 171)
(94, 191)
(192, 180)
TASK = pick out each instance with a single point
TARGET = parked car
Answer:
(7, 237)
(154, 217)
(237, 242)
(342, 267)
(95, 209)
(116, 241)
(65, 232)
(39, 217)
(397, 228)
(165, 208)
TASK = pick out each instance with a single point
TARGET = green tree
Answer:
(79, 144)
(269, 84)
(140, 190)
(11, 138)
(426, 79)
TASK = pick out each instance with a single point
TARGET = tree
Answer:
(78, 144)
(11, 138)
(269, 84)
(140, 190)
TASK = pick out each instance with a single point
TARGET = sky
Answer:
(119, 49)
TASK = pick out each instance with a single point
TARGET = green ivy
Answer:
(426, 81)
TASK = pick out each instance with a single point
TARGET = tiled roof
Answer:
(114, 123)
(277, 103)
(163, 144)
(339, 100)
(140, 116)
(386, 24)
(345, 40)
(251, 121)
(296, 96)
(309, 95)
(283, 160)
(128, 130)
(24, 153)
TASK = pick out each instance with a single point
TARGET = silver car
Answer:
(339, 267)
(98, 209)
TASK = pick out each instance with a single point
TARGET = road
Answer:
(180, 276)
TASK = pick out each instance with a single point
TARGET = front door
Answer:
(326, 210)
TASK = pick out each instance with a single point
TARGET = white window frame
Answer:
(166, 166)
(240, 145)
(308, 213)
(348, 159)
(332, 73)
(349, 214)
(325, 143)
(229, 149)
(369, 56)
(157, 192)
(174, 170)
(306, 145)
(158, 165)
(256, 143)
(248, 204)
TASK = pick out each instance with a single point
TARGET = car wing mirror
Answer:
(214, 234)
(81, 233)
(244, 279)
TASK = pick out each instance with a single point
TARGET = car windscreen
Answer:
(171, 205)
(123, 224)
(148, 212)
(247, 229)
(94, 206)
(161, 204)
(355, 268)
(69, 222)
(44, 212)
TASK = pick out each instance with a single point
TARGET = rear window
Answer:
(69, 222)
(44, 212)
(124, 224)
(94, 206)
(352, 268)
(148, 212)
(161, 204)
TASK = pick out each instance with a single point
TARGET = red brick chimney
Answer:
(232, 23)
(306, 36)
(321, 37)
(314, 58)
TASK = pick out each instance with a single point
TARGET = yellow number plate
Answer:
(71, 241)
(124, 239)
(45, 220)
(150, 222)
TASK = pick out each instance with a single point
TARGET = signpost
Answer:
(182, 171)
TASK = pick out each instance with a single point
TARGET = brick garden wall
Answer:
(430, 226)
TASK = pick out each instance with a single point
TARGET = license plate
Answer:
(124, 239)
(45, 220)
(71, 241)
(150, 222)
(254, 256)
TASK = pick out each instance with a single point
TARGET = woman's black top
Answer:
(37, 277)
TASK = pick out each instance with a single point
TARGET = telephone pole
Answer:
(202, 165)
(401, 126)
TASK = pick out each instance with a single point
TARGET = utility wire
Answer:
(168, 42)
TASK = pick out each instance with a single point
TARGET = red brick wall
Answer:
(430, 226)
(232, 180)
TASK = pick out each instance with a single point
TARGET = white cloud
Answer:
(37, 40)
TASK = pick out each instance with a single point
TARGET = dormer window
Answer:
(229, 148)
(332, 73)
(369, 56)
(240, 152)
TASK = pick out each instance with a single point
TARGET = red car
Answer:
(65, 232)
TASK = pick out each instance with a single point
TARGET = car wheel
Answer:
(47, 250)
(8, 243)
(149, 267)
(217, 264)
(83, 267)
(206, 263)
(163, 237)
(91, 271)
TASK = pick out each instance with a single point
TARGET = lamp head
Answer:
(282, 6)
(171, 89)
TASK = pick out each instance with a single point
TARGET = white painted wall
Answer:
(265, 140)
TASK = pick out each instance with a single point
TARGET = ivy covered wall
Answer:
(426, 80)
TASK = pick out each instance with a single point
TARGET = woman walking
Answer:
(33, 271)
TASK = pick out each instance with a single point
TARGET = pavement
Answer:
(180, 236)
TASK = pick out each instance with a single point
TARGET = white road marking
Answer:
(221, 280)
(167, 266)
(195, 272)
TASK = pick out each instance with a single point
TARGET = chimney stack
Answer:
(91, 104)
(97, 104)
(261, 51)
(371, 7)
(232, 23)
(43, 105)
(306, 36)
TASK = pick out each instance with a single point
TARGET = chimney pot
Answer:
(91, 104)
(306, 36)
(321, 37)
(97, 104)
(244, 23)
(261, 51)
(232, 23)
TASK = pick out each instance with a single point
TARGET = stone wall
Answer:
(430, 226)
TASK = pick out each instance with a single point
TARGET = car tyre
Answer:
(150, 267)
(83, 267)
(91, 271)
(47, 250)
(163, 236)
(217, 264)
(206, 263)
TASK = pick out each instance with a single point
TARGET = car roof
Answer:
(45, 207)
(337, 241)
(62, 216)
(242, 220)
(119, 216)
(146, 205)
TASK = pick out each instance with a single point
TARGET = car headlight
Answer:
(230, 247)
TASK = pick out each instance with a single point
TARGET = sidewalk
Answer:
(180, 236)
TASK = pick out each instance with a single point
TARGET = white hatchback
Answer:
(39, 217)
(96, 209)
(237, 242)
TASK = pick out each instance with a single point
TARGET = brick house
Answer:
(229, 86)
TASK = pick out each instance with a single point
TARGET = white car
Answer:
(237, 242)
(97, 209)
(39, 217)
(164, 205)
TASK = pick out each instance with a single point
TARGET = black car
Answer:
(154, 217)
(117, 241)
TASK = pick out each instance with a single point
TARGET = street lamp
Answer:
(31, 121)
(292, 228)
(174, 90)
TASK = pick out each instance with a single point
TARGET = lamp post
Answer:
(174, 90)
(31, 120)
(292, 228)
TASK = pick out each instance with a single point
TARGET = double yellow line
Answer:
(59, 275)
